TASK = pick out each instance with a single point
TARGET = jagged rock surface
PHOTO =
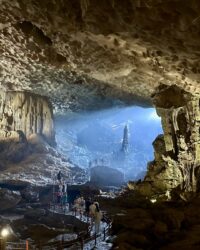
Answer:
(34, 161)
(28, 113)
(72, 49)
(177, 152)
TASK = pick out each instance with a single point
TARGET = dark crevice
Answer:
(30, 29)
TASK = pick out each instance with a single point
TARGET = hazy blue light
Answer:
(84, 137)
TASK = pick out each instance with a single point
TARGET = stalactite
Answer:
(84, 6)
(27, 112)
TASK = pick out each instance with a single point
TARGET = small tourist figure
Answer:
(96, 216)
(82, 206)
(59, 177)
(77, 205)
(59, 196)
(64, 188)
(64, 202)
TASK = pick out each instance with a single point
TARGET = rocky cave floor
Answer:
(28, 168)
(140, 224)
(137, 223)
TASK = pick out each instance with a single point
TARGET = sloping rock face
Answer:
(34, 161)
(177, 152)
(124, 49)
(26, 139)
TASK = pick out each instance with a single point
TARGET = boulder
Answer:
(30, 194)
(17, 152)
(160, 229)
(105, 176)
(34, 213)
(14, 185)
(173, 218)
(132, 240)
(8, 199)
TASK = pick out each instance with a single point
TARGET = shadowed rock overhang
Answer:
(80, 52)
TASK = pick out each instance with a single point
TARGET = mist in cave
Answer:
(89, 139)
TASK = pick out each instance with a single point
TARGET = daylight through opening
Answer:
(119, 138)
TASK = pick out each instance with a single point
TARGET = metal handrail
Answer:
(25, 245)
(80, 240)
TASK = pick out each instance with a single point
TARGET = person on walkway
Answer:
(64, 199)
(64, 188)
(96, 216)
(64, 203)
(76, 207)
(59, 196)
(59, 177)
(82, 206)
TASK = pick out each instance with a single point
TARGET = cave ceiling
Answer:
(80, 52)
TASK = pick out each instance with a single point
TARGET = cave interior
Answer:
(100, 100)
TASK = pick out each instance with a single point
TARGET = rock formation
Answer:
(79, 51)
(177, 152)
(125, 142)
(26, 113)
(26, 139)
(72, 49)
(106, 176)
(9, 199)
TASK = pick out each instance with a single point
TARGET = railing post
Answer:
(26, 244)
(82, 243)
(104, 234)
(95, 239)
(40, 245)
(2, 244)
(61, 245)
(81, 216)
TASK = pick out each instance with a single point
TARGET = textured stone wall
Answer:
(27, 112)
(177, 151)
(74, 50)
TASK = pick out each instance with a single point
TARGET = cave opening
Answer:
(119, 137)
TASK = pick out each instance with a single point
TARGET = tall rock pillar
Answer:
(177, 151)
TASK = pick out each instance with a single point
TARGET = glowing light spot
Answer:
(4, 232)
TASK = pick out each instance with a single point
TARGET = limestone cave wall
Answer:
(122, 49)
(177, 151)
(27, 112)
